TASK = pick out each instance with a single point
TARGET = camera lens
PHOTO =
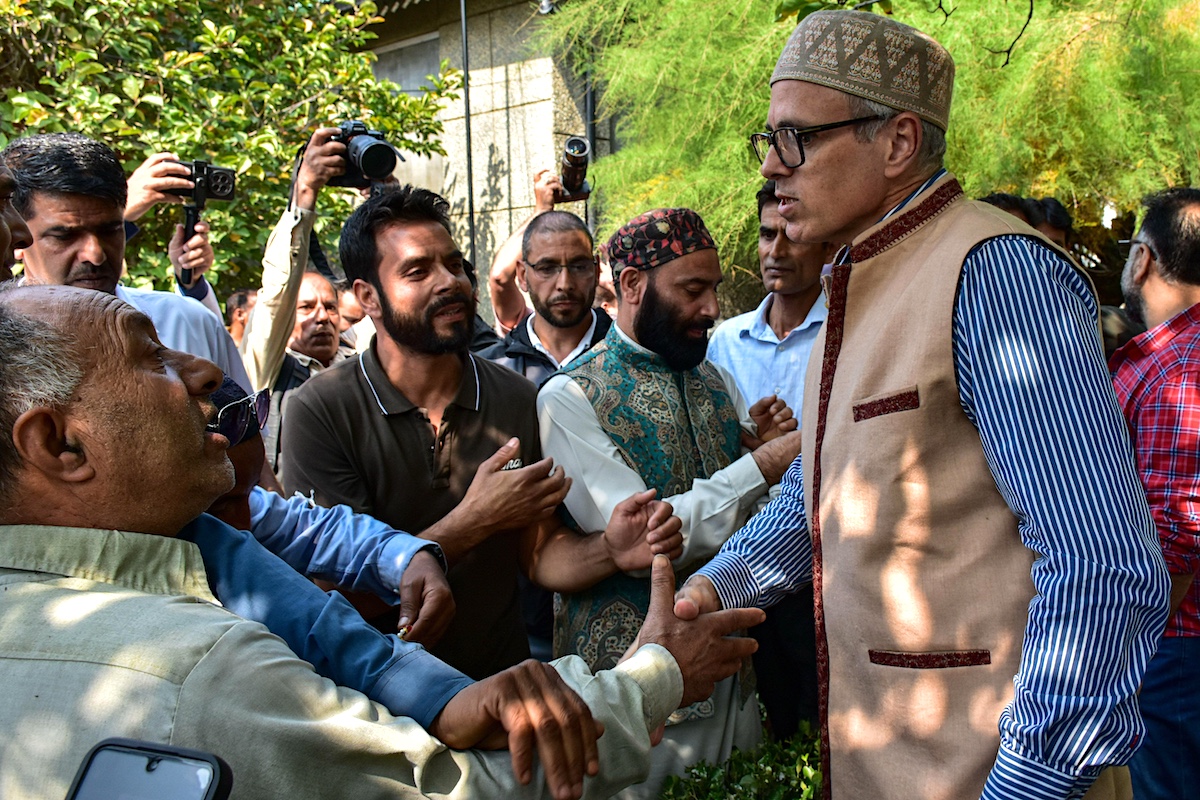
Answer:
(374, 158)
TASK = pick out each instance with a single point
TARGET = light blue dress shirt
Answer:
(759, 361)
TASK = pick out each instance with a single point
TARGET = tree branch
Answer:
(942, 8)
(1009, 50)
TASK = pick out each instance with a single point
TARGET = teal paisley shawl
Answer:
(671, 428)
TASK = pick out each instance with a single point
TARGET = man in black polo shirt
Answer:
(421, 434)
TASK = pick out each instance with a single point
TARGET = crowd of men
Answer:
(975, 540)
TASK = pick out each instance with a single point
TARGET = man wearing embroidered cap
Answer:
(966, 504)
(644, 409)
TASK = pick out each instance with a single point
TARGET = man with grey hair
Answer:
(966, 502)
(107, 459)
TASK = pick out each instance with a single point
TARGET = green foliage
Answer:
(788, 770)
(241, 84)
(1093, 107)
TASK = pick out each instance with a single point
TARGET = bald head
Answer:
(100, 425)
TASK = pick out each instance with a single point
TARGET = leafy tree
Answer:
(240, 84)
(1092, 105)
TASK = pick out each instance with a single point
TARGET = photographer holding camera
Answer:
(293, 331)
(162, 178)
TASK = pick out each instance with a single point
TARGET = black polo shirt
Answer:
(353, 438)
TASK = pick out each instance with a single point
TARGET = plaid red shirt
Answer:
(1157, 378)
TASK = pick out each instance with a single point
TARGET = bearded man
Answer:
(643, 409)
(431, 439)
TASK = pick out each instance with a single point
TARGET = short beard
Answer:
(1135, 304)
(658, 328)
(416, 331)
(547, 313)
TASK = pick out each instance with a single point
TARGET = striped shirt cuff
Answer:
(733, 580)
(1016, 778)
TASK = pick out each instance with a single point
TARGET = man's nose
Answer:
(91, 250)
(201, 376)
(772, 165)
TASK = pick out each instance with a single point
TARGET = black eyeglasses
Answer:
(788, 142)
(233, 421)
(1127, 247)
(548, 270)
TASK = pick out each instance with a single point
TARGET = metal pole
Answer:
(462, 8)
(589, 114)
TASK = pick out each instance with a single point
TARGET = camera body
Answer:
(369, 157)
(576, 151)
(211, 182)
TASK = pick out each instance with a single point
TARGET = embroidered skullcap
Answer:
(871, 56)
(652, 239)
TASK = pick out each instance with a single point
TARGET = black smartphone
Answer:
(124, 769)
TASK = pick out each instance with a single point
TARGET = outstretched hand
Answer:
(527, 708)
(773, 418)
(703, 646)
(641, 528)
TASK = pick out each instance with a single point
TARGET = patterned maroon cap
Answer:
(652, 239)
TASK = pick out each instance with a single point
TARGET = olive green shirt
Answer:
(105, 633)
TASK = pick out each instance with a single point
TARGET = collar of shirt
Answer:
(759, 327)
(843, 255)
(1157, 338)
(139, 561)
(583, 345)
(315, 366)
(392, 401)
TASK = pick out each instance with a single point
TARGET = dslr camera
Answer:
(576, 151)
(369, 157)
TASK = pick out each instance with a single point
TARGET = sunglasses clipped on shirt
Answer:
(233, 421)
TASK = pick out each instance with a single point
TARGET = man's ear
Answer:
(522, 278)
(1143, 264)
(631, 284)
(368, 298)
(48, 441)
(904, 143)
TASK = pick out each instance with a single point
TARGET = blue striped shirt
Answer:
(1032, 380)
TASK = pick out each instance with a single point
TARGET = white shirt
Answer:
(186, 325)
(711, 510)
(579, 350)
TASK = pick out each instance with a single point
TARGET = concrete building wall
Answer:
(523, 106)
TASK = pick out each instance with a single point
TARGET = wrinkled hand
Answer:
(196, 254)
(150, 182)
(426, 602)
(526, 707)
(703, 647)
(640, 528)
(545, 184)
(324, 159)
(773, 418)
(515, 498)
(774, 457)
(697, 596)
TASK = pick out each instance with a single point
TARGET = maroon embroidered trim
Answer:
(904, 224)
(834, 328)
(945, 660)
(904, 401)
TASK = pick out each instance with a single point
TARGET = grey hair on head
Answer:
(933, 138)
(38, 367)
